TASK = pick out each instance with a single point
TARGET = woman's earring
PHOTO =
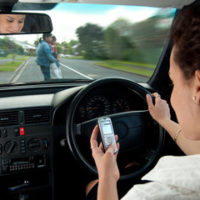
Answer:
(194, 99)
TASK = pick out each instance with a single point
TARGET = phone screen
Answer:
(107, 128)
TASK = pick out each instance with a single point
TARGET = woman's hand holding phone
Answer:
(105, 160)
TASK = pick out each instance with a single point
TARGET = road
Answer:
(71, 68)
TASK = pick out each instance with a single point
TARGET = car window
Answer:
(92, 41)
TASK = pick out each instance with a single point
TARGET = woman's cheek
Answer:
(21, 26)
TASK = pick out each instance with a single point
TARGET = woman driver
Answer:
(11, 23)
(173, 177)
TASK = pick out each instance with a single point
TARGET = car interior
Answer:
(45, 125)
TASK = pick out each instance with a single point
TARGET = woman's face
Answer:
(182, 101)
(11, 23)
(49, 39)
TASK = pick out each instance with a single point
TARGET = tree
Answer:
(117, 41)
(10, 46)
(91, 38)
(73, 47)
(64, 47)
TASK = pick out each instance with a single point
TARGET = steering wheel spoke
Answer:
(129, 126)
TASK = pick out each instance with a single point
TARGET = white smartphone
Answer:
(107, 132)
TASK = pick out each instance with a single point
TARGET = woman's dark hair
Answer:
(45, 35)
(186, 40)
(54, 38)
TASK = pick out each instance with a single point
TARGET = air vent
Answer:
(40, 115)
(8, 118)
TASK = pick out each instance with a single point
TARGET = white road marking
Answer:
(21, 69)
(76, 71)
(19, 72)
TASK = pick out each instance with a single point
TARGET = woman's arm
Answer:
(108, 171)
(189, 147)
(107, 188)
(161, 113)
(48, 52)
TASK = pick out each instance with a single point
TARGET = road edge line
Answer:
(19, 71)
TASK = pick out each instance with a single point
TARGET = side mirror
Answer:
(24, 23)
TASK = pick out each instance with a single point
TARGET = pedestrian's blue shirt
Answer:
(44, 55)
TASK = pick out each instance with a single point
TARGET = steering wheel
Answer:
(139, 135)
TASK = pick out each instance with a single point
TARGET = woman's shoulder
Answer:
(175, 170)
(173, 163)
(173, 177)
(166, 161)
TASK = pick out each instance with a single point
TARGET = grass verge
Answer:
(10, 66)
(131, 67)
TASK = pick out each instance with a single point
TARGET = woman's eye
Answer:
(21, 21)
(10, 20)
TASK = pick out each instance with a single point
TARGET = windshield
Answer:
(88, 41)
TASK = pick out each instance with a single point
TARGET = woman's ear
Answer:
(196, 96)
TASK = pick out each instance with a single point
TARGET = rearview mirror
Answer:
(24, 23)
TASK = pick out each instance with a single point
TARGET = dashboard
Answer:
(105, 101)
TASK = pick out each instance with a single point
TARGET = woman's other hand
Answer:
(160, 110)
(105, 162)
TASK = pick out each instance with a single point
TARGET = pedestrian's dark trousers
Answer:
(46, 72)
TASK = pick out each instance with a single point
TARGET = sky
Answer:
(67, 17)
